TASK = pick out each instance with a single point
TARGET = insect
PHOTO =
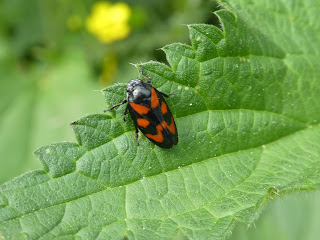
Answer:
(150, 113)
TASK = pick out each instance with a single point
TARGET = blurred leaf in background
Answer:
(45, 82)
(292, 217)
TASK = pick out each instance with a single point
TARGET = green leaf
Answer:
(246, 107)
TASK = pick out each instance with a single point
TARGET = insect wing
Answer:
(166, 120)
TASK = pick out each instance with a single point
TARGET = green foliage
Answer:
(246, 109)
(36, 106)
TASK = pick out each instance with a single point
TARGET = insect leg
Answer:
(146, 77)
(125, 114)
(137, 135)
(123, 102)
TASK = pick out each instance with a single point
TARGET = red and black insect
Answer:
(150, 113)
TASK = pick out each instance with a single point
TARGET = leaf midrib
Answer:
(207, 110)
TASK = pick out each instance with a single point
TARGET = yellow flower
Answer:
(109, 22)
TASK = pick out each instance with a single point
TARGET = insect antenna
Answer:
(123, 102)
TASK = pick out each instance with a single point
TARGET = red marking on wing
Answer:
(143, 122)
(139, 108)
(170, 127)
(154, 98)
(160, 127)
(164, 108)
(159, 136)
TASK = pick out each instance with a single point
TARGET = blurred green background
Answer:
(54, 54)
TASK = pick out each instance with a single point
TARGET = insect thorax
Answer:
(138, 91)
